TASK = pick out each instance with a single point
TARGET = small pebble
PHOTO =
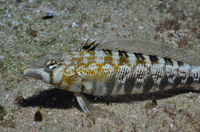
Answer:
(141, 27)
(30, 1)
(55, 121)
(189, 95)
(19, 100)
(2, 57)
(74, 25)
(50, 113)
(2, 112)
(49, 15)
(38, 116)
(32, 32)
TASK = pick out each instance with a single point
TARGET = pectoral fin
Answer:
(84, 103)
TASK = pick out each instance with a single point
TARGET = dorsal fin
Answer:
(88, 46)
(151, 48)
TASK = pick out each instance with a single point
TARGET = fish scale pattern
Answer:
(116, 73)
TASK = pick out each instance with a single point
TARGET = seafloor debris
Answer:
(152, 104)
(2, 112)
(48, 16)
(38, 116)
(32, 32)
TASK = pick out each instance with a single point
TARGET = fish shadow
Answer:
(62, 99)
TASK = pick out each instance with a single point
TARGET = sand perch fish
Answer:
(106, 72)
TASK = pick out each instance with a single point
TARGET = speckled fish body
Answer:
(118, 73)
(110, 73)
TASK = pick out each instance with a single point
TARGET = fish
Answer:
(105, 72)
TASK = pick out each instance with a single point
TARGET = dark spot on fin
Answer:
(168, 61)
(153, 58)
(148, 85)
(123, 57)
(163, 83)
(88, 46)
(140, 58)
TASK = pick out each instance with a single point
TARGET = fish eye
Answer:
(50, 65)
(53, 62)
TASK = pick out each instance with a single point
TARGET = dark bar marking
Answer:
(190, 80)
(154, 59)
(82, 88)
(148, 85)
(107, 52)
(123, 57)
(108, 58)
(123, 54)
(129, 85)
(110, 84)
(180, 63)
(168, 61)
(123, 75)
(86, 47)
(163, 83)
(89, 46)
(140, 58)
(177, 81)
(119, 86)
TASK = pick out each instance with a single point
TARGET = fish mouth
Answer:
(33, 73)
(37, 73)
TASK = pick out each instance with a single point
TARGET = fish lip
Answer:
(29, 72)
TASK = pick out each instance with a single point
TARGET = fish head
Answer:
(50, 73)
